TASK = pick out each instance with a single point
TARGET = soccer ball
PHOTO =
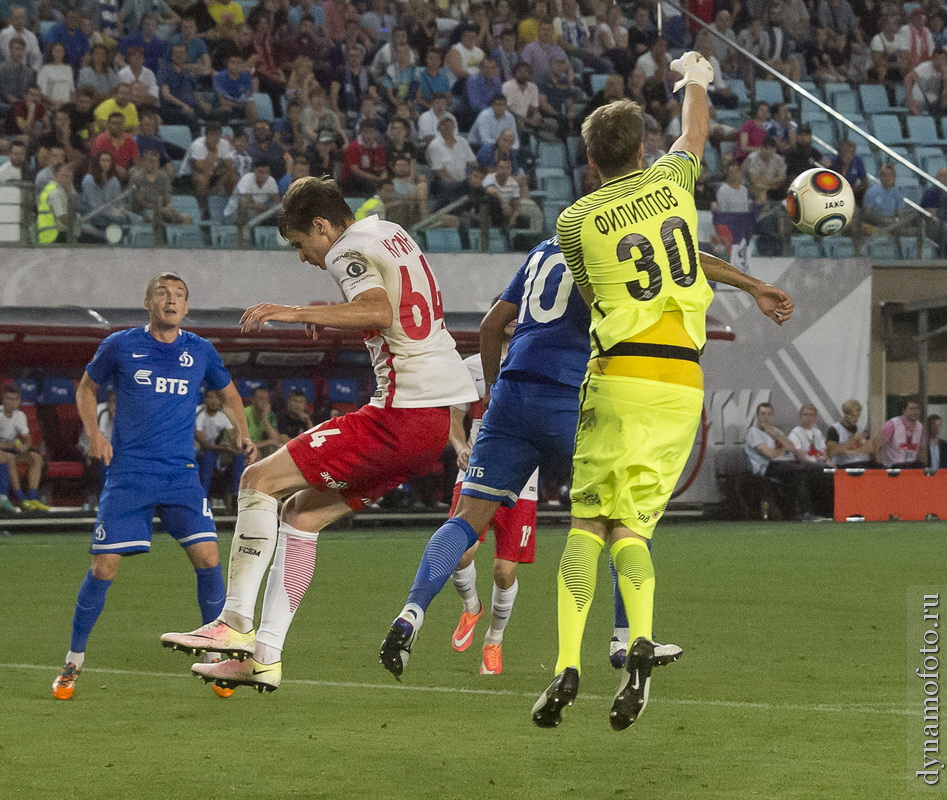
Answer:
(820, 202)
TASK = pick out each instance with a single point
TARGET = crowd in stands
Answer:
(414, 105)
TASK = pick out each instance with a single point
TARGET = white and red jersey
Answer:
(811, 441)
(475, 412)
(415, 360)
(900, 442)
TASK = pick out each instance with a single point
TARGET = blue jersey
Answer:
(157, 392)
(551, 341)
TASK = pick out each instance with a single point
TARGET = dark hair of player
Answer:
(164, 276)
(913, 399)
(613, 135)
(308, 198)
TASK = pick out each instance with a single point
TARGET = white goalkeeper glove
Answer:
(695, 69)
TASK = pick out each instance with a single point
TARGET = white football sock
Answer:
(75, 658)
(414, 614)
(621, 634)
(288, 581)
(503, 600)
(254, 540)
(465, 582)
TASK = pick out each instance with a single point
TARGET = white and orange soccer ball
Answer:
(820, 202)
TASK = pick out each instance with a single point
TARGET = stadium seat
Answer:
(264, 106)
(215, 205)
(343, 390)
(187, 204)
(597, 81)
(355, 203)
(836, 247)
(29, 389)
(56, 390)
(224, 237)
(573, 149)
(914, 192)
(739, 89)
(303, 385)
(557, 187)
(822, 130)
(177, 134)
(268, 237)
(910, 252)
(845, 102)
(904, 175)
(139, 236)
(806, 247)
(829, 88)
(496, 241)
(443, 240)
(769, 91)
(551, 212)
(923, 131)
(246, 386)
(551, 154)
(933, 163)
(881, 249)
(875, 100)
(185, 236)
(887, 128)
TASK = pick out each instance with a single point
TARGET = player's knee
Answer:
(105, 566)
(504, 573)
(253, 477)
(35, 458)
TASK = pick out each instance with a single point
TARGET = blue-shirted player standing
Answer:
(532, 413)
(157, 372)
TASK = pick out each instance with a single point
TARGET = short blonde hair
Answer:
(613, 136)
(852, 407)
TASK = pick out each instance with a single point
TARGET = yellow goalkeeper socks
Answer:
(577, 572)
(632, 561)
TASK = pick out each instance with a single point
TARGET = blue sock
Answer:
(89, 605)
(18, 496)
(211, 593)
(4, 480)
(440, 558)
(621, 618)
(32, 494)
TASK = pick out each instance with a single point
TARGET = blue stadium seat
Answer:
(923, 131)
(823, 130)
(597, 81)
(910, 252)
(806, 247)
(557, 187)
(887, 128)
(246, 386)
(768, 91)
(875, 99)
(845, 102)
(355, 203)
(882, 250)
(573, 149)
(933, 163)
(139, 236)
(264, 106)
(29, 389)
(739, 89)
(836, 247)
(303, 385)
(224, 237)
(185, 236)
(443, 240)
(551, 212)
(187, 204)
(551, 154)
(215, 205)
(177, 134)
(343, 390)
(496, 241)
(57, 391)
(267, 237)
(829, 88)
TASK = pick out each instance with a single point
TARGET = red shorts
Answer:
(514, 530)
(367, 453)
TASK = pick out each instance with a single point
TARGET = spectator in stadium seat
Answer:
(643, 32)
(719, 91)
(481, 88)
(148, 136)
(726, 54)
(925, 86)
(69, 34)
(902, 439)
(350, 84)
(781, 52)
(850, 164)
(463, 58)
(15, 76)
(386, 55)
(122, 104)
(733, 195)
(801, 155)
(17, 168)
(365, 163)
(540, 54)
(575, 38)
(766, 171)
(506, 55)
(936, 26)
(519, 210)
(255, 193)
(300, 170)
(17, 29)
(121, 145)
(430, 119)
(27, 119)
(934, 200)
(318, 118)
(398, 145)
(151, 192)
(198, 62)
(294, 419)
(262, 423)
(210, 165)
(528, 29)
(263, 147)
(753, 132)
(238, 42)
(54, 156)
(399, 79)
(884, 204)
(837, 15)
(433, 80)
(154, 50)
(848, 447)
(782, 127)
(134, 12)
(325, 157)
(180, 102)
(301, 80)
(936, 447)
(608, 36)
(505, 147)
(449, 158)
(612, 90)
(754, 38)
(491, 122)
(268, 73)
(288, 130)
(372, 109)
(916, 43)
(234, 89)
(62, 135)
(797, 19)
(239, 157)
(409, 194)
(141, 79)
(16, 447)
(825, 58)
(556, 102)
(99, 74)
(101, 187)
(217, 449)
(885, 51)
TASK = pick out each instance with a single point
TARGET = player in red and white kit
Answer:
(514, 531)
(347, 462)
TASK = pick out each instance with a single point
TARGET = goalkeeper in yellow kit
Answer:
(632, 249)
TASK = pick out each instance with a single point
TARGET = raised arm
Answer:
(697, 74)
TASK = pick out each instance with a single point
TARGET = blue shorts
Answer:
(526, 423)
(129, 502)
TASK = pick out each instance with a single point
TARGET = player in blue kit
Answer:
(532, 412)
(150, 463)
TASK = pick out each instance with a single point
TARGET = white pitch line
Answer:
(809, 709)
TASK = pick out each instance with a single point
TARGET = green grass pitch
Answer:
(792, 685)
